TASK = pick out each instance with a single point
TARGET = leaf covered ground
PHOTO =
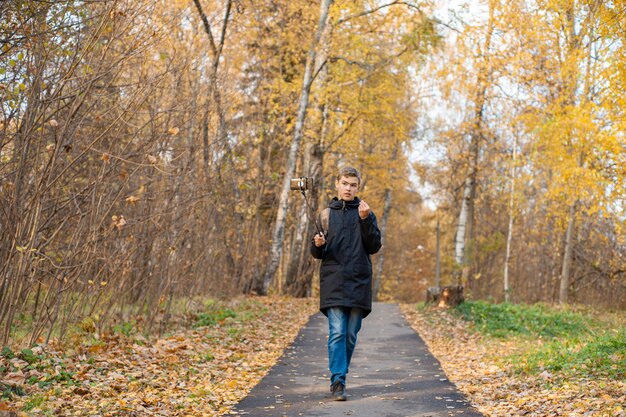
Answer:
(201, 369)
(529, 360)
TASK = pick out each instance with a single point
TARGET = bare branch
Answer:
(207, 28)
(365, 13)
(439, 22)
(363, 65)
(223, 32)
(396, 3)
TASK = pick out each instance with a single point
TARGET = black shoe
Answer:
(338, 391)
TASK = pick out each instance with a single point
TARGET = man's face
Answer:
(347, 188)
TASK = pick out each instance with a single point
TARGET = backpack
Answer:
(324, 220)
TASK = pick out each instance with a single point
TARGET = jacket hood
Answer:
(338, 204)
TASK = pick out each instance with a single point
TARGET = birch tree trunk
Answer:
(281, 215)
(302, 219)
(298, 276)
(468, 256)
(438, 256)
(465, 224)
(459, 240)
(509, 235)
(308, 264)
(299, 272)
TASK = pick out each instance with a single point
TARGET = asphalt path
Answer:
(392, 374)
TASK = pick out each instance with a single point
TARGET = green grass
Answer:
(7, 352)
(126, 328)
(34, 401)
(8, 391)
(130, 320)
(217, 312)
(539, 320)
(210, 318)
(28, 356)
(552, 339)
(603, 356)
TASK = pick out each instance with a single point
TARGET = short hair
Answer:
(349, 172)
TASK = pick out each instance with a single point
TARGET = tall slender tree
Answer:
(279, 229)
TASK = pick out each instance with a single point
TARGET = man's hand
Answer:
(364, 210)
(319, 239)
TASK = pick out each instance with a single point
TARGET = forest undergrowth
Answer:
(509, 360)
(212, 360)
(520, 360)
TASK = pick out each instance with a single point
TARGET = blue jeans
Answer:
(343, 325)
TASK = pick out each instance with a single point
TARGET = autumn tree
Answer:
(543, 131)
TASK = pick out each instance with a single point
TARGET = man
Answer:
(350, 236)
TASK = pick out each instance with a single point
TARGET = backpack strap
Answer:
(324, 220)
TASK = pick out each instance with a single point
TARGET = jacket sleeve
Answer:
(315, 251)
(370, 234)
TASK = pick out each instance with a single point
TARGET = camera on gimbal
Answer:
(301, 184)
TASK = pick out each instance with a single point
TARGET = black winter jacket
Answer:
(346, 270)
